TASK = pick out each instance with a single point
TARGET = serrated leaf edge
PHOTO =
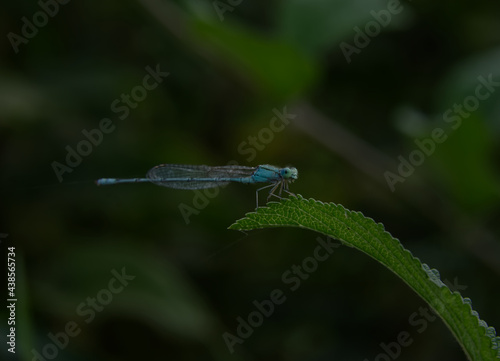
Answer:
(432, 273)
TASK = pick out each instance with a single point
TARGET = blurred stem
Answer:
(169, 15)
(342, 142)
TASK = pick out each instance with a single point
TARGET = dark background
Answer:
(228, 75)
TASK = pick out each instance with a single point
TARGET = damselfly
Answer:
(202, 176)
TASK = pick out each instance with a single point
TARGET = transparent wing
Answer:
(196, 176)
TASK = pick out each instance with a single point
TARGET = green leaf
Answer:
(355, 230)
(463, 79)
(316, 26)
(464, 166)
(272, 66)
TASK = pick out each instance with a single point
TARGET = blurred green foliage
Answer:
(226, 78)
